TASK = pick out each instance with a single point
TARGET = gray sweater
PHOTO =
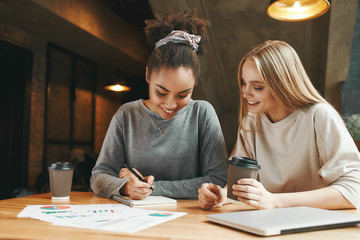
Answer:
(190, 152)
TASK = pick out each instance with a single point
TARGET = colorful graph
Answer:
(54, 207)
(161, 214)
(111, 217)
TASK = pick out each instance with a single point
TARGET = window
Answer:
(70, 105)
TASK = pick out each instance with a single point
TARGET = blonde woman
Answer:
(306, 154)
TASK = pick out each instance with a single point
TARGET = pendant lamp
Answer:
(297, 10)
(118, 84)
(117, 87)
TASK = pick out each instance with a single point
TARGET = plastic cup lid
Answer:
(244, 162)
(61, 166)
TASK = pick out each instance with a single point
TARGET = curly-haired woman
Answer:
(172, 140)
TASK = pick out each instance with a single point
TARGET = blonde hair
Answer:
(280, 67)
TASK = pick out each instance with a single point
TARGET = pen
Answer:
(137, 175)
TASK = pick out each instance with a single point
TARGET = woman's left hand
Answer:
(125, 173)
(252, 192)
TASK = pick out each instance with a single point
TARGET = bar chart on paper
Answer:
(111, 217)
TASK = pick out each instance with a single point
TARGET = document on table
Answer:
(146, 202)
(110, 217)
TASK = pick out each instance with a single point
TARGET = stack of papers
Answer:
(109, 217)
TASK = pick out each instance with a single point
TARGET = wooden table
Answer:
(193, 225)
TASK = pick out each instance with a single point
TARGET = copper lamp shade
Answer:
(297, 10)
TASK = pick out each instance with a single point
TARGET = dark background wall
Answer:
(351, 87)
(108, 33)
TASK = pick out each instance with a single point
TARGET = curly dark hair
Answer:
(174, 55)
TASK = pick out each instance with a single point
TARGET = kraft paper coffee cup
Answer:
(60, 176)
(240, 167)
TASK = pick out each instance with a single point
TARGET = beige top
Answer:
(309, 149)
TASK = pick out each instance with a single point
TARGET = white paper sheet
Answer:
(110, 217)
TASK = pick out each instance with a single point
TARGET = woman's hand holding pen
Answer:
(125, 173)
(135, 188)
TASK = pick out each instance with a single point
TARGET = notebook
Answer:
(285, 220)
(149, 201)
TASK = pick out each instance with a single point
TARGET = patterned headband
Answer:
(178, 36)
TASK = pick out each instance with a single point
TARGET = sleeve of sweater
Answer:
(339, 157)
(245, 142)
(104, 180)
(212, 159)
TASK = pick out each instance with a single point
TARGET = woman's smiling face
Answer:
(170, 89)
(257, 94)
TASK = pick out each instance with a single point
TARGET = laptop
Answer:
(285, 220)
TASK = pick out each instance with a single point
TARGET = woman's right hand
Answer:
(134, 188)
(211, 195)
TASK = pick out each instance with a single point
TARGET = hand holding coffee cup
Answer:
(238, 168)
